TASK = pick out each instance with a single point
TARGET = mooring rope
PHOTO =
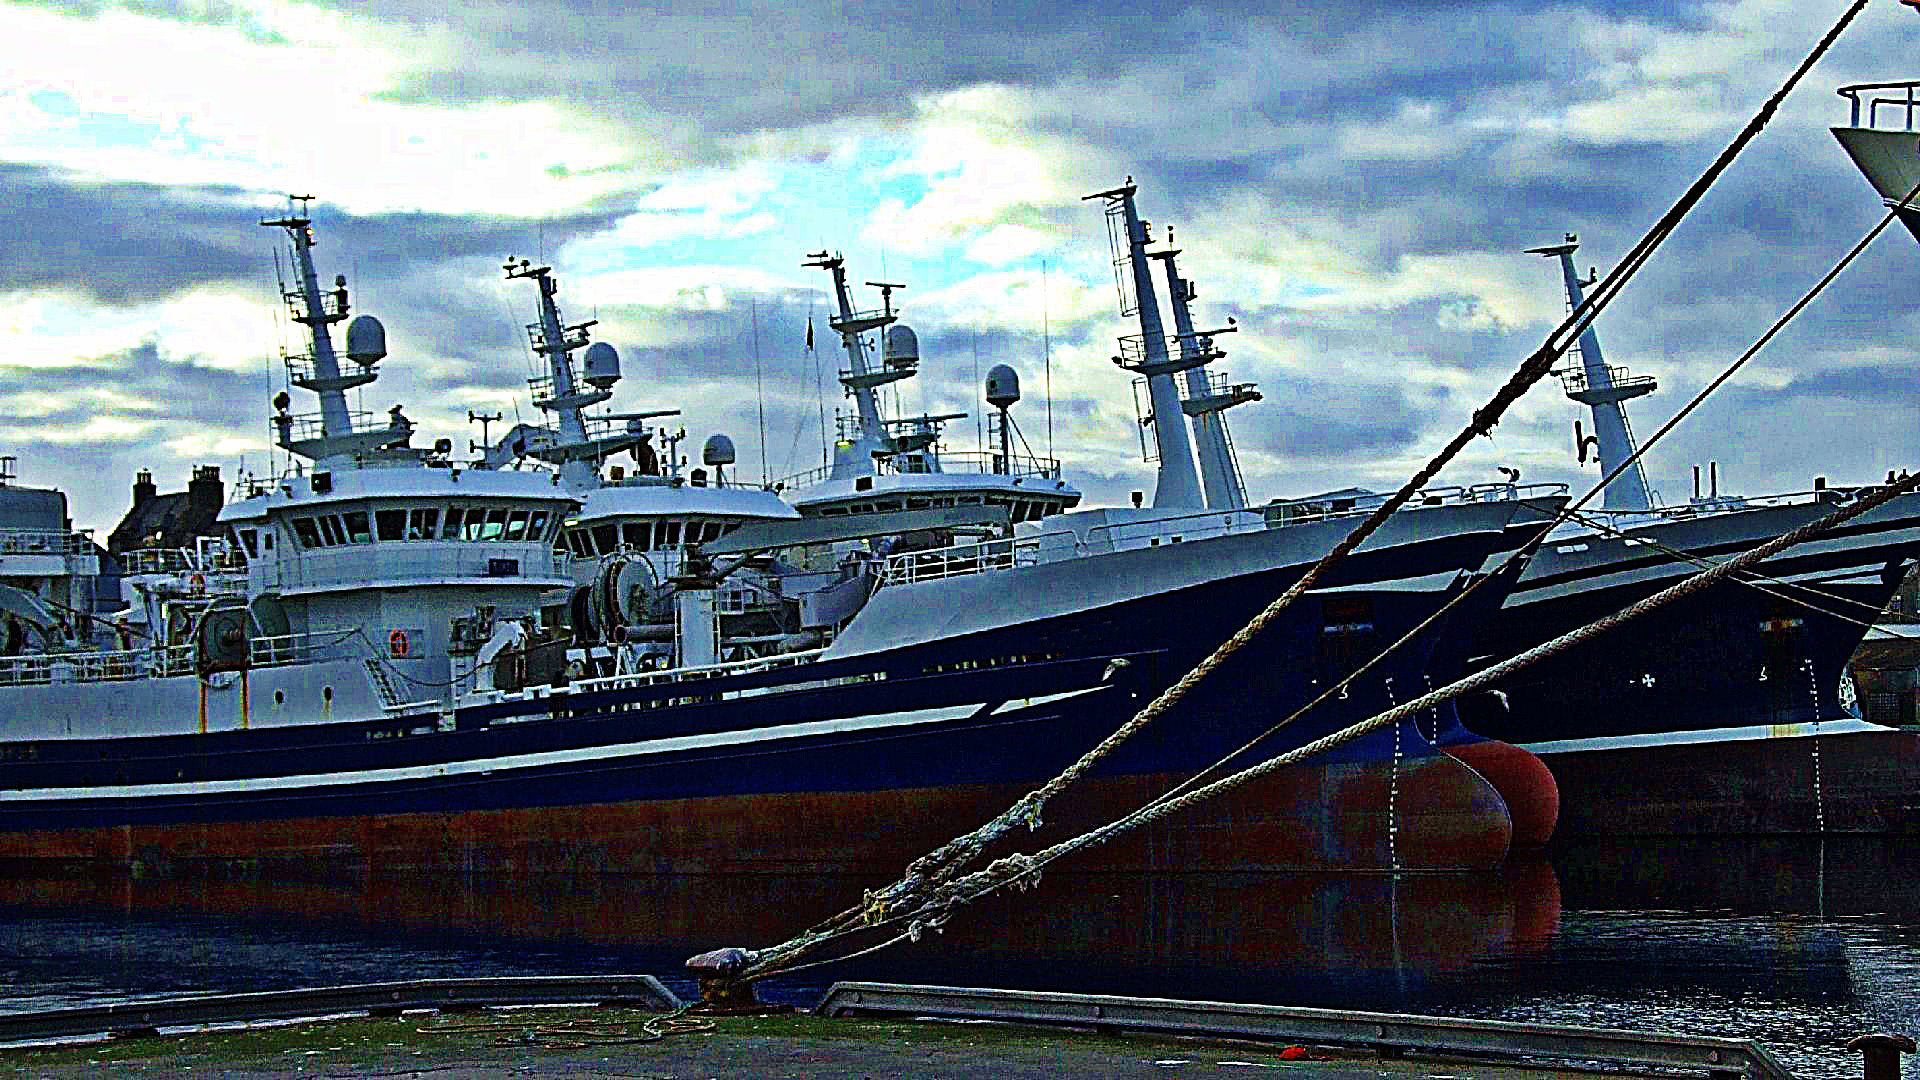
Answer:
(1023, 870)
(930, 871)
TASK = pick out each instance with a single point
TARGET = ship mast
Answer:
(866, 441)
(1146, 353)
(332, 434)
(1604, 390)
(1206, 403)
(577, 443)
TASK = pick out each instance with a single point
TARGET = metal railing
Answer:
(376, 999)
(115, 666)
(305, 426)
(46, 542)
(1907, 102)
(958, 560)
(418, 561)
(285, 650)
(1575, 380)
(705, 672)
(1389, 1032)
(1057, 543)
(958, 463)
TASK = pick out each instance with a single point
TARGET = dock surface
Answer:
(596, 1042)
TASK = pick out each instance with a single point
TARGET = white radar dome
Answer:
(366, 340)
(717, 451)
(902, 345)
(603, 365)
(1003, 386)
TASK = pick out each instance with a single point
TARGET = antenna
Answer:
(759, 395)
(1046, 352)
(485, 420)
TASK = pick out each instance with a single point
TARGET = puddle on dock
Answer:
(1798, 943)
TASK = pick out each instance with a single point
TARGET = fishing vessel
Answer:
(351, 682)
(1729, 711)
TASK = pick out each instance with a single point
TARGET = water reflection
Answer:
(1801, 944)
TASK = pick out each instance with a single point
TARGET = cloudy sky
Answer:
(1353, 182)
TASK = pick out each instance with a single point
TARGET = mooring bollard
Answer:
(1881, 1054)
(718, 990)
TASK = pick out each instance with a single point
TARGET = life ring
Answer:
(397, 644)
(197, 583)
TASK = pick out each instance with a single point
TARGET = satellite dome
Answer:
(717, 451)
(902, 344)
(366, 340)
(603, 365)
(1003, 386)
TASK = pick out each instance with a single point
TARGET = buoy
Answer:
(397, 643)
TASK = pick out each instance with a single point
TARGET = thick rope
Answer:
(941, 864)
(1023, 869)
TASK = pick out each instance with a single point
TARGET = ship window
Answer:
(452, 531)
(714, 529)
(729, 527)
(638, 534)
(606, 537)
(359, 528)
(490, 529)
(330, 533)
(537, 525)
(577, 541)
(250, 539)
(392, 523)
(424, 524)
(516, 525)
(669, 533)
(266, 541)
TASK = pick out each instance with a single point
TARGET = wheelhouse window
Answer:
(537, 524)
(638, 535)
(250, 542)
(578, 542)
(669, 533)
(516, 526)
(392, 524)
(423, 523)
(330, 534)
(359, 528)
(490, 528)
(455, 515)
(606, 538)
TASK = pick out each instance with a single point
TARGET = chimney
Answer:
(204, 493)
(143, 488)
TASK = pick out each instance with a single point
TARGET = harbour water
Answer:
(1800, 944)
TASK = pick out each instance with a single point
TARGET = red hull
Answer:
(1334, 817)
(1524, 781)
